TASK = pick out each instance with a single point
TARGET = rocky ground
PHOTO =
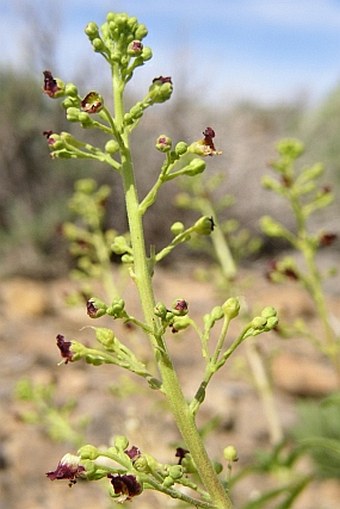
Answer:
(34, 312)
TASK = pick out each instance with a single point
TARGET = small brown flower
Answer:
(180, 454)
(133, 452)
(125, 485)
(67, 468)
(327, 239)
(50, 87)
(64, 347)
(92, 103)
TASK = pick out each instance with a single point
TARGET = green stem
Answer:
(171, 386)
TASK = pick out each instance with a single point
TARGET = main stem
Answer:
(171, 386)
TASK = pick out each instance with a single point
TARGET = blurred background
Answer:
(253, 70)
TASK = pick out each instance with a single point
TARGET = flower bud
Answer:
(117, 308)
(230, 453)
(161, 89)
(204, 226)
(176, 471)
(72, 114)
(98, 45)
(120, 245)
(92, 30)
(180, 323)
(121, 442)
(163, 143)
(180, 307)
(177, 228)
(196, 166)
(259, 322)
(290, 147)
(111, 147)
(160, 310)
(135, 48)
(88, 452)
(181, 148)
(231, 307)
(106, 337)
(71, 90)
(141, 32)
(268, 312)
(146, 53)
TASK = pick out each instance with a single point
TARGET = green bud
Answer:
(204, 226)
(141, 464)
(120, 245)
(180, 323)
(160, 90)
(181, 148)
(195, 167)
(106, 337)
(290, 147)
(88, 452)
(72, 114)
(121, 442)
(272, 322)
(177, 228)
(259, 322)
(146, 54)
(85, 119)
(71, 90)
(98, 45)
(111, 147)
(230, 453)
(117, 308)
(176, 471)
(160, 310)
(141, 32)
(91, 30)
(268, 312)
(231, 307)
(217, 313)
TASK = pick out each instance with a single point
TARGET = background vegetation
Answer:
(35, 189)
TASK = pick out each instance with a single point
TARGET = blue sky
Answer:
(268, 50)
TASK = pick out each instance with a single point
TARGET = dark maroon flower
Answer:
(180, 454)
(162, 79)
(50, 87)
(133, 452)
(209, 134)
(64, 347)
(91, 309)
(327, 239)
(92, 103)
(49, 137)
(125, 485)
(67, 468)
